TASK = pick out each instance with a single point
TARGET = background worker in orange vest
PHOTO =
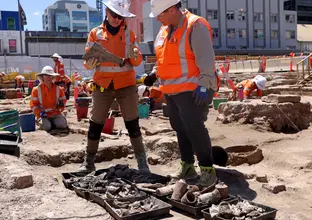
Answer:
(186, 68)
(248, 86)
(61, 80)
(113, 81)
(19, 82)
(48, 101)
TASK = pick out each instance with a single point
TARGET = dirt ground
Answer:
(287, 161)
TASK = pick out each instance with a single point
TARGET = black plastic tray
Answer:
(96, 197)
(67, 176)
(82, 192)
(152, 178)
(196, 210)
(9, 144)
(269, 215)
(162, 211)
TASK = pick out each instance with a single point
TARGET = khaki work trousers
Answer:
(102, 101)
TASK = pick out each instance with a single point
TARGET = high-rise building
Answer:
(68, 15)
(303, 8)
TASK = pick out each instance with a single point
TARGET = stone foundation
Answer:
(279, 113)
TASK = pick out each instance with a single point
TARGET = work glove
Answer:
(92, 63)
(150, 79)
(201, 95)
(60, 104)
(43, 115)
(134, 52)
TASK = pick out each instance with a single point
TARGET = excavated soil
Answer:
(284, 160)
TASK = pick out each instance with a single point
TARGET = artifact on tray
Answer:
(191, 195)
(243, 210)
(125, 208)
(99, 52)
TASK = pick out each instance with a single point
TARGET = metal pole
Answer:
(39, 64)
(5, 64)
(20, 27)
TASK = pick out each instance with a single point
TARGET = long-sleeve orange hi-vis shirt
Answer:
(43, 99)
(59, 68)
(118, 45)
(249, 86)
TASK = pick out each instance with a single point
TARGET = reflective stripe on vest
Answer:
(40, 98)
(182, 54)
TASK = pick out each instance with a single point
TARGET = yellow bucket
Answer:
(33, 75)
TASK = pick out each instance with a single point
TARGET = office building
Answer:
(74, 16)
(303, 8)
(248, 24)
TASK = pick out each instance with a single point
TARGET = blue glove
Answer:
(201, 95)
(43, 115)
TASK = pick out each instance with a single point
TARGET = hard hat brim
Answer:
(49, 74)
(125, 14)
(153, 15)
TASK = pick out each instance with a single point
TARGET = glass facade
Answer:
(80, 27)
(62, 21)
(94, 19)
(79, 15)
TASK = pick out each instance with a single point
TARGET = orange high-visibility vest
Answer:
(119, 45)
(43, 99)
(176, 62)
(59, 68)
(249, 86)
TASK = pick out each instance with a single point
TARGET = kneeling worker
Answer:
(249, 85)
(19, 82)
(48, 101)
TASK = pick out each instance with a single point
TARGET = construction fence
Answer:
(29, 67)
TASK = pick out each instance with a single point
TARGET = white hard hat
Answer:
(120, 7)
(141, 90)
(47, 70)
(22, 78)
(55, 55)
(260, 81)
(158, 6)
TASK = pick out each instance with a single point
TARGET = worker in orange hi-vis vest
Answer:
(61, 80)
(48, 101)
(19, 82)
(246, 87)
(115, 82)
(186, 69)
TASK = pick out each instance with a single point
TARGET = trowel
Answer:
(101, 54)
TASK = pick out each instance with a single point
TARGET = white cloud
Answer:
(36, 13)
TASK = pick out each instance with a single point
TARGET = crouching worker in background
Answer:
(48, 101)
(248, 86)
(19, 82)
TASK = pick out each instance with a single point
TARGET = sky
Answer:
(34, 10)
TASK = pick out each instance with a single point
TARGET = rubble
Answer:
(284, 117)
(274, 187)
(262, 178)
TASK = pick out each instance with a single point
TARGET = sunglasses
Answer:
(114, 15)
